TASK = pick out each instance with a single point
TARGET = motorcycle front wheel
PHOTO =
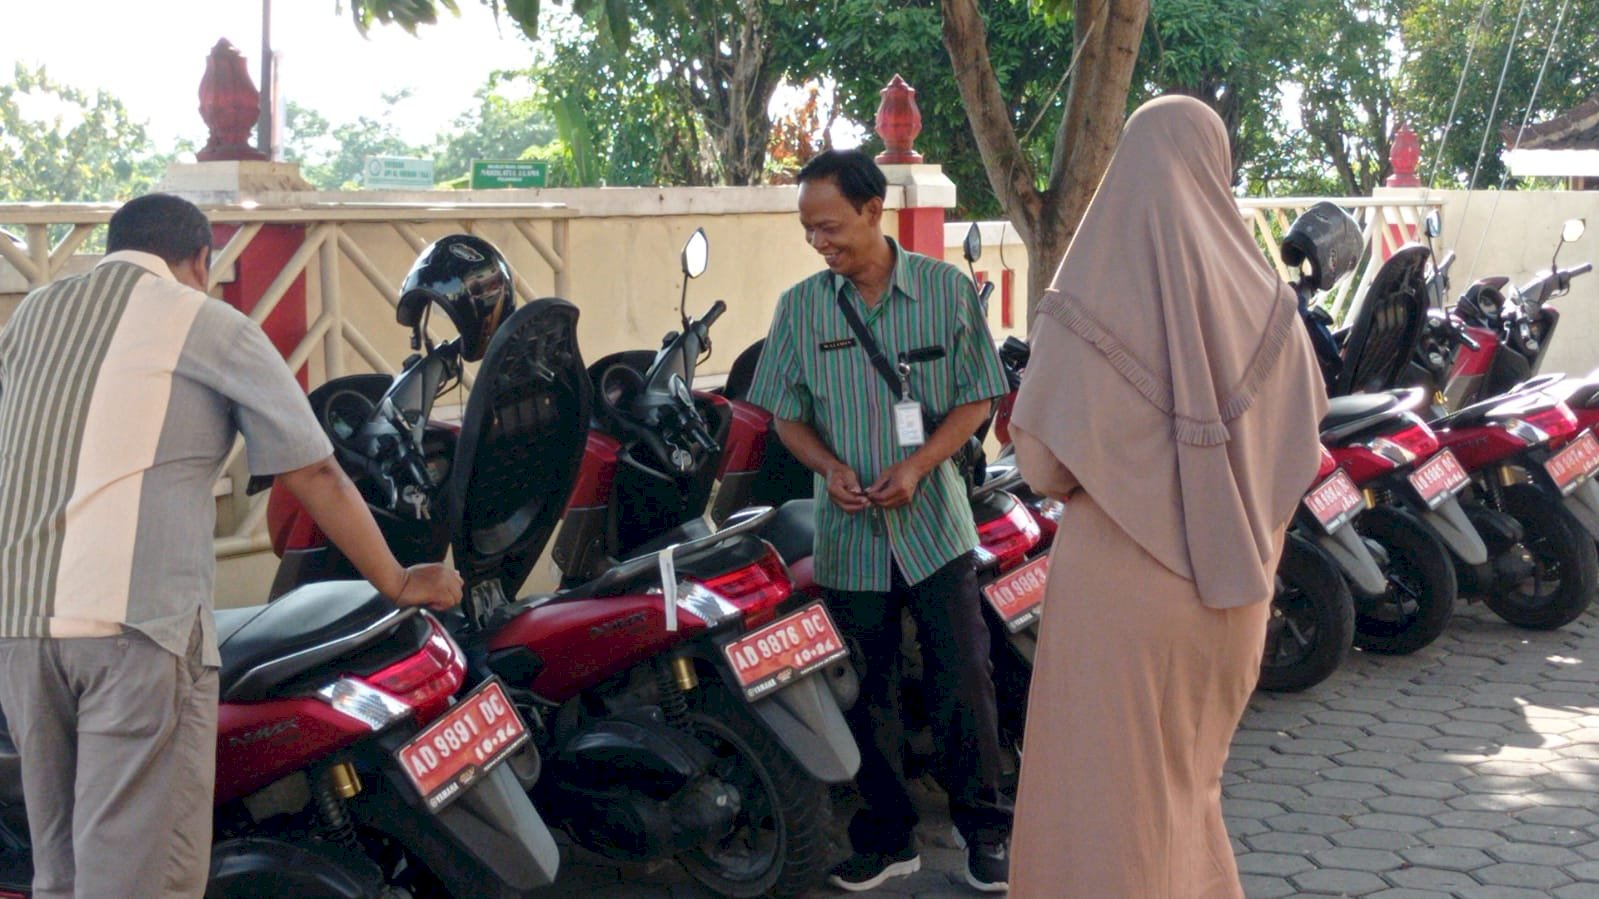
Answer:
(1420, 598)
(1312, 620)
(777, 845)
(1565, 563)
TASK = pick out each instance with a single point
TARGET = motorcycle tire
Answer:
(1421, 583)
(1567, 564)
(779, 846)
(1312, 621)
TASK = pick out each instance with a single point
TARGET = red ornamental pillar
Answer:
(229, 104)
(1404, 155)
(921, 228)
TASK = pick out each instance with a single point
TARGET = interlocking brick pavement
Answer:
(1467, 770)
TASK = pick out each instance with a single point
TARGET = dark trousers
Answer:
(954, 643)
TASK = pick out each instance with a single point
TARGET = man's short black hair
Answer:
(167, 226)
(857, 176)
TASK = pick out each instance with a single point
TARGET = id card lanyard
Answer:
(908, 425)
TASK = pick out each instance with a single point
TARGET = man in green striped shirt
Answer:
(895, 528)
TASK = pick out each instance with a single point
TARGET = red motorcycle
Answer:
(686, 701)
(346, 763)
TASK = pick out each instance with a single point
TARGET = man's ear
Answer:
(195, 271)
(873, 210)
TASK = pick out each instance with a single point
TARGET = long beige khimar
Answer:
(1169, 372)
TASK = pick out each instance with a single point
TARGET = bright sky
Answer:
(153, 62)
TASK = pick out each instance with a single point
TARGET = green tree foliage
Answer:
(63, 144)
(1437, 35)
(508, 123)
(331, 156)
(860, 44)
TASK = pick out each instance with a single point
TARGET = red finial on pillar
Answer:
(1404, 155)
(229, 104)
(898, 123)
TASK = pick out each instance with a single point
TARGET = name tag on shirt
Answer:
(908, 423)
(828, 346)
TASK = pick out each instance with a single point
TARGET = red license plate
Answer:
(474, 736)
(1574, 464)
(1334, 501)
(1438, 479)
(1018, 596)
(785, 650)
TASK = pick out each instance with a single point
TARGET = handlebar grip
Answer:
(1582, 269)
(716, 310)
(1469, 341)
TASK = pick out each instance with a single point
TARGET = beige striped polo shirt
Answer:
(121, 394)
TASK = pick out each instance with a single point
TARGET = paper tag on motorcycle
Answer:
(785, 651)
(1018, 596)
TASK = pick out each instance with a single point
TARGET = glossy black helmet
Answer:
(468, 277)
(1328, 238)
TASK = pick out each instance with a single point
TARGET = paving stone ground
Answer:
(1467, 770)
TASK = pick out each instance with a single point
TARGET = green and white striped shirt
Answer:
(813, 370)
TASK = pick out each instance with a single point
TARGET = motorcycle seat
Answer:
(1362, 408)
(792, 532)
(1504, 406)
(265, 647)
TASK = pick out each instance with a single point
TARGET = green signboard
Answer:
(491, 174)
(397, 172)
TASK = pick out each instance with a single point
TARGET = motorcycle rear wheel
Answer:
(778, 845)
(1421, 585)
(1567, 565)
(1312, 620)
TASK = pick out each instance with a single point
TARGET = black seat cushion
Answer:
(265, 646)
(792, 532)
(1343, 410)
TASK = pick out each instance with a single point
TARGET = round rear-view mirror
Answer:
(1573, 229)
(1433, 224)
(972, 246)
(696, 254)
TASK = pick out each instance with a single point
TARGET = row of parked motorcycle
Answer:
(680, 695)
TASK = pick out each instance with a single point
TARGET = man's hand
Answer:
(844, 489)
(433, 585)
(897, 486)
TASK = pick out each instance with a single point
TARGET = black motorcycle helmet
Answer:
(1329, 238)
(469, 278)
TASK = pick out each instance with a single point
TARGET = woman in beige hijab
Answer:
(1173, 397)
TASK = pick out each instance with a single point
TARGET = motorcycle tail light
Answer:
(1390, 451)
(1005, 541)
(1327, 466)
(1557, 421)
(756, 590)
(426, 679)
(1418, 440)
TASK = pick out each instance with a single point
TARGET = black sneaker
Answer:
(868, 870)
(988, 865)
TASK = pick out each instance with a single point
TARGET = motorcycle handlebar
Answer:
(716, 310)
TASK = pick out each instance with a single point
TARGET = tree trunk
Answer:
(1108, 33)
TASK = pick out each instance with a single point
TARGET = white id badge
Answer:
(908, 423)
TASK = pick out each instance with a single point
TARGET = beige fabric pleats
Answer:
(1137, 689)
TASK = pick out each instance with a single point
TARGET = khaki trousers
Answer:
(118, 744)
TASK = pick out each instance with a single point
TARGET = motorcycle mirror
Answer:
(972, 246)
(1433, 224)
(696, 254)
(1569, 232)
